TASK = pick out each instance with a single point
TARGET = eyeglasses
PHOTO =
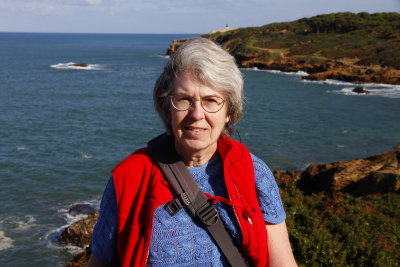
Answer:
(211, 104)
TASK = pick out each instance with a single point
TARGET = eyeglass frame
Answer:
(201, 104)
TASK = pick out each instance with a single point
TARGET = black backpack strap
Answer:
(189, 195)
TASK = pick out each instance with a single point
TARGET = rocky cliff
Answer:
(359, 177)
(358, 48)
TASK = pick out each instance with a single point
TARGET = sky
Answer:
(167, 16)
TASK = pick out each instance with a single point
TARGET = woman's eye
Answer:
(185, 99)
(211, 100)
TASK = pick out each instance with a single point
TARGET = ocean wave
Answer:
(26, 223)
(70, 219)
(77, 66)
(296, 73)
(20, 148)
(52, 241)
(163, 56)
(392, 91)
(19, 223)
(85, 156)
(5, 242)
(337, 82)
(329, 81)
(53, 234)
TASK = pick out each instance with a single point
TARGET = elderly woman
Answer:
(199, 98)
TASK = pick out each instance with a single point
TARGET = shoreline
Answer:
(345, 69)
(302, 73)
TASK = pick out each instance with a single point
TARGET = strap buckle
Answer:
(178, 203)
(208, 214)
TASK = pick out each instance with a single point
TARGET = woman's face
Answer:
(196, 131)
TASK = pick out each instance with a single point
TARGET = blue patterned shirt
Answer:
(179, 239)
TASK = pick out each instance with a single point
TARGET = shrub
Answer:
(342, 230)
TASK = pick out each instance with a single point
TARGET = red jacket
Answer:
(140, 188)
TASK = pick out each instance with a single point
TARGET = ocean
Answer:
(63, 126)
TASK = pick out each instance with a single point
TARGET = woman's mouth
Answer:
(195, 130)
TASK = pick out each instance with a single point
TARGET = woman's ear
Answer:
(227, 119)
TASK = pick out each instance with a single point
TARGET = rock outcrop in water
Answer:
(79, 234)
(360, 90)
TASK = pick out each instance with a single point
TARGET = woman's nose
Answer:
(196, 111)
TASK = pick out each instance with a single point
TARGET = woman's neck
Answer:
(196, 158)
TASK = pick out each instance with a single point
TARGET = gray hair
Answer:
(211, 65)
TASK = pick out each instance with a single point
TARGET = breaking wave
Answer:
(53, 234)
(385, 91)
(372, 89)
(76, 66)
(297, 73)
(5, 241)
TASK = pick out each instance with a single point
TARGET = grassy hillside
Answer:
(360, 48)
(362, 38)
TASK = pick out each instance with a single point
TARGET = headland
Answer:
(358, 48)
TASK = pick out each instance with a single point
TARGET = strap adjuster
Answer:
(178, 203)
(208, 214)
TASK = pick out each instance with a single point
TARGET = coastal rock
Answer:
(82, 65)
(79, 233)
(333, 69)
(286, 177)
(81, 259)
(80, 209)
(360, 90)
(376, 174)
(340, 46)
(357, 74)
(378, 182)
(174, 46)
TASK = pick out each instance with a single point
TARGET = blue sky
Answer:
(167, 16)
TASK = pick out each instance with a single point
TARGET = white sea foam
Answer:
(297, 73)
(163, 56)
(76, 66)
(19, 223)
(329, 81)
(337, 82)
(53, 235)
(74, 218)
(20, 148)
(26, 223)
(52, 241)
(5, 242)
(381, 89)
(85, 156)
(385, 91)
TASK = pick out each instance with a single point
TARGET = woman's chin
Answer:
(193, 146)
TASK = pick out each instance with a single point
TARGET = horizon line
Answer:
(51, 32)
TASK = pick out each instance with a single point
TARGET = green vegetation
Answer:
(342, 230)
(367, 39)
